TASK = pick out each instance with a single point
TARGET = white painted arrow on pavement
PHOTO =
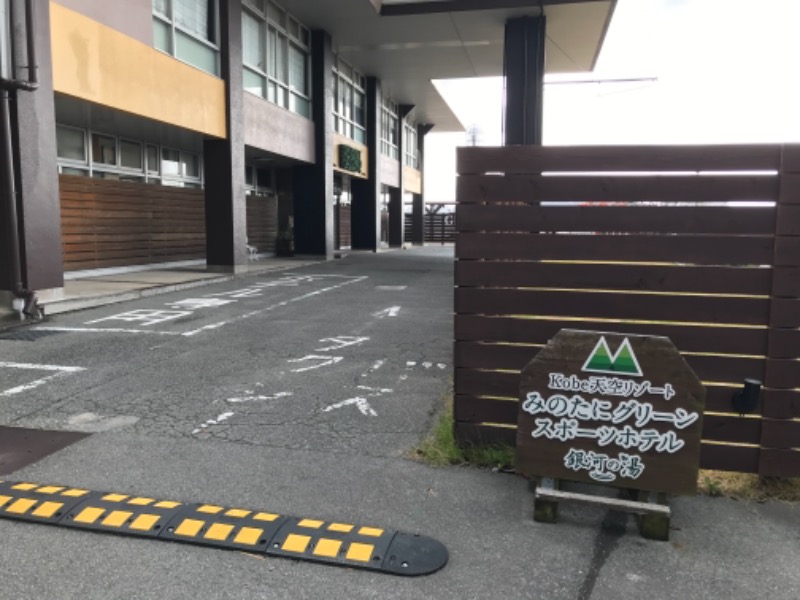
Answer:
(361, 404)
(325, 361)
(392, 311)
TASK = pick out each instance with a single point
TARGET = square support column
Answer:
(313, 184)
(397, 217)
(223, 160)
(524, 80)
(33, 151)
(418, 209)
(366, 205)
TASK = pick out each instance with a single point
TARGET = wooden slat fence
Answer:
(438, 228)
(700, 244)
(113, 223)
(262, 223)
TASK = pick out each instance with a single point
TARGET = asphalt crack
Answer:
(613, 527)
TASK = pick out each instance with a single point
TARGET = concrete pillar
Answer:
(313, 184)
(366, 193)
(33, 149)
(223, 160)
(524, 73)
(397, 218)
(418, 209)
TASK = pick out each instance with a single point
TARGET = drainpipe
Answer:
(8, 192)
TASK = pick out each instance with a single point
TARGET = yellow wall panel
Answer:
(97, 63)
(412, 180)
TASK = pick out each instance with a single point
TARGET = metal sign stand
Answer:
(650, 507)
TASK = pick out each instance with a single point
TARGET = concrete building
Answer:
(171, 130)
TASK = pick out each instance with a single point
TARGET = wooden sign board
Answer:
(613, 409)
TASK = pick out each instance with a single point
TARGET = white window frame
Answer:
(169, 21)
(390, 115)
(285, 94)
(345, 75)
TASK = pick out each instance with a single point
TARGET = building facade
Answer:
(173, 130)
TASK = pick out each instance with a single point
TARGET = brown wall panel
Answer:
(779, 463)
(537, 159)
(655, 278)
(701, 309)
(113, 223)
(493, 189)
(691, 249)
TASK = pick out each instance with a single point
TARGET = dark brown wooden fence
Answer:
(438, 228)
(700, 244)
(262, 223)
(113, 223)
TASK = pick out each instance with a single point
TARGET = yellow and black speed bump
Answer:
(38, 503)
(329, 542)
(212, 525)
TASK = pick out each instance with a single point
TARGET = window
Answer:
(71, 144)
(187, 29)
(153, 164)
(110, 157)
(130, 155)
(350, 102)
(276, 56)
(410, 148)
(5, 51)
(389, 129)
(104, 149)
(259, 181)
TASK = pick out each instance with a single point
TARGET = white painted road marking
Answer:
(325, 361)
(273, 307)
(342, 341)
(259, 398)
(109, 330)
(59, 371)
(392, 311)
(223, 417)
(147, 316)
(360, 403)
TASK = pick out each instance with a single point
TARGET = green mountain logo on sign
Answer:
(622, 363)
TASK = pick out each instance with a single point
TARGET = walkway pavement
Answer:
(89, 289)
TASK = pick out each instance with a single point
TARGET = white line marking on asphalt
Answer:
(392, 311)
(326, 360)
(259, 398)
(342, 341)
(427, 365)
(360, 403)
(59, 371)
(442, 366)
(272, 307)
(109, 330)
(223, 417)
(410, 364)
(377, 391)
(390, 288)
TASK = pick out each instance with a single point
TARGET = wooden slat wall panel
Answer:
(345, 226)
(658, 252)
(688, 249)
(533, 189)
(589, 159)
(113, 223)
(262, 223)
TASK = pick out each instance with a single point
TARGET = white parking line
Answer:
(59, 371)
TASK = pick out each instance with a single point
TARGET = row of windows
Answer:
(188, 30)
(82, 152)
(276, 55)
(389, 129)
(410, 148)
(349, 102)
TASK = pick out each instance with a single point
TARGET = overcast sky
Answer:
(728, 71)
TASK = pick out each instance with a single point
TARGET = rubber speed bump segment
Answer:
(268, 533)
(33, 502)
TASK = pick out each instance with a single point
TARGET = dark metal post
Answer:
(313, 185)
(418, 209)
(524, 80)
(366, 206)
